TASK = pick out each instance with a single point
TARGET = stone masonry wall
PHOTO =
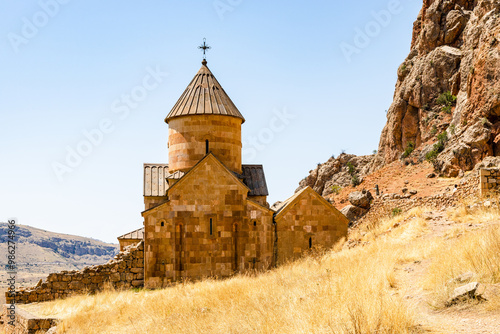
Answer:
(490, 179)
(125, 271)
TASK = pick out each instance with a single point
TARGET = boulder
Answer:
(353, 212)
(474, 290)
(361, 199)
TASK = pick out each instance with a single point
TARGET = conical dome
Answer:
(204, 96)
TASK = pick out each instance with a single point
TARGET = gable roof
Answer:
(213, 158)
(137, 234)
(289, 203)
(204, 96)
(255, 179)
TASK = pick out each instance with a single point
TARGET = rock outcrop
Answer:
(337, 173)
(449, 82)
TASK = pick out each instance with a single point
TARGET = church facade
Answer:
(206, 214)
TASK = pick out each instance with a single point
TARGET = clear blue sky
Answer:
(67, 68)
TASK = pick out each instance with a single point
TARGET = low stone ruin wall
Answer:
(125, 271)
(25, 322)
(382, 207)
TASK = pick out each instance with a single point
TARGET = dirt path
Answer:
(470, 319)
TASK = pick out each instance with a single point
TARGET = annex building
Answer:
(206, 214)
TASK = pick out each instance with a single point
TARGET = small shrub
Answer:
(374, 151)
(336, 189)
(446, 100)
(351, 169)
(446, 109)
(355, 180)
(438, 147)
(434, 130)
(431, 156)
(452, 129)
(396, 212)
(410, 147)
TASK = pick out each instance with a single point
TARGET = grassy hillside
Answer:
(393, 281)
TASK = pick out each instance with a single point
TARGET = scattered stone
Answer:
(404, 190)
(464, 293)
(431, 175)
(413, 192)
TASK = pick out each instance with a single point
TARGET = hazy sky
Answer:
(85, 86)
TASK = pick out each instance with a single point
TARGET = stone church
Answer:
(206, 214)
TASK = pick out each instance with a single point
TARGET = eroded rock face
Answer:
(336, 173)
(455, 48)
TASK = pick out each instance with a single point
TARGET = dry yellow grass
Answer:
(465, 251)
(341, 291)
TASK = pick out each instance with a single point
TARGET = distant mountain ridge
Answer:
(41, 252)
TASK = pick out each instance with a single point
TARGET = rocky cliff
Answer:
(337, 173)
(446, 106)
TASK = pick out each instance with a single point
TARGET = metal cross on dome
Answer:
(204, 47)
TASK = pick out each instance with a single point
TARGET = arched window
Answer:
(310, 243)
(162, 224)
(207, 146)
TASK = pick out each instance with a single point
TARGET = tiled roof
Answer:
(137, 234)
(203, 96)
(255, 179)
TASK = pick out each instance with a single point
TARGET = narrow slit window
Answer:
(211, 227)
(162, 224)
(207, 146)
(310, 243)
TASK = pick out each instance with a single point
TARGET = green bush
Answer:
(396, 211)
(438, 147)
(446, 100)
(336, 189)
(351, 170)
(452, 129)
(434, 130)
(355, 180)
(410, 147)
